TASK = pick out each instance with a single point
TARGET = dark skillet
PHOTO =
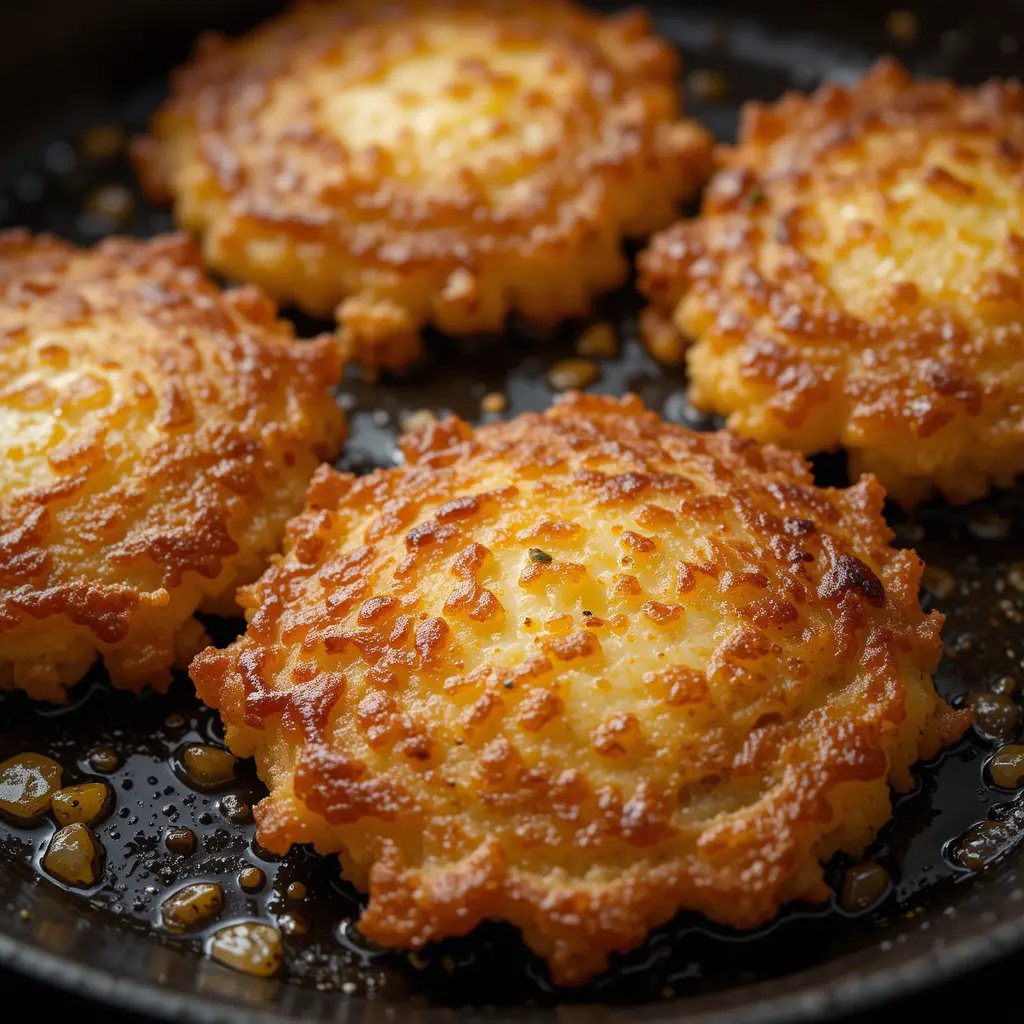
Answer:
(67, 65)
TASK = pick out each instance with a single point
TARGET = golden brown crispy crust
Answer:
(855, 280)
(579, 671)
(155, 435)
(433, 161)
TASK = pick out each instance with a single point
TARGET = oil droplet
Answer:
(981, 844)
(251, 947)
(598, 341)
(706, 85)
(1006, 766)
(74, 857)
(104, 759)
(181, 841)
(494, 402)
(192, 906)
(995, 715)
(208, 767)
(903, 26)
(418, 420)
(1005, 685)
(569, 374)
(864, 886)
(103, 141)
(292, 924)
(112, 202)
(1015, 576)
(27, 783)
(252, 878)
(235, 809)
(662, 338)
(85, 803)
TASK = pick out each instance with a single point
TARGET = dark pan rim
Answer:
(829, 998)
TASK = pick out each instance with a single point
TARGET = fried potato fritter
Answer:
(855, 280)
(155, 436)
(579, 671)
(433, 161)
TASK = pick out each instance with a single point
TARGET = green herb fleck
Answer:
(586, 613)
(539, 556)
(755, 196)
(509, 683)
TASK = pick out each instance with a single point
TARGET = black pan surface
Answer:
(812, 961)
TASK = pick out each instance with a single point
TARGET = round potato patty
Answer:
(580, 671)
(855, 280)
(425, 162)
(155, 435)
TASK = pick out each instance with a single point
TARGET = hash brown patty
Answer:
(433, 161)
(580, 671)
(155, 435)
(855, 280)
